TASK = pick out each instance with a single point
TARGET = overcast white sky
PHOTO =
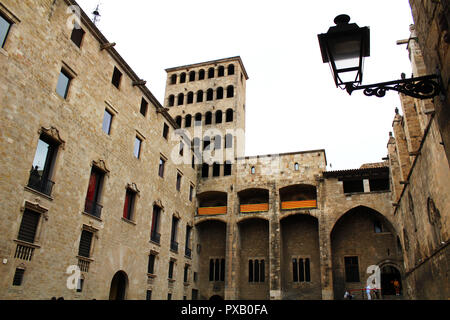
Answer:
(292, 102)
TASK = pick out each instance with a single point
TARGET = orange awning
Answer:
(209, 211)
(305, 204)
(248, 208)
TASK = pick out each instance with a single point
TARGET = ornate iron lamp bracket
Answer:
(426, 87)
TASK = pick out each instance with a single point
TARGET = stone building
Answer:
(159, 201)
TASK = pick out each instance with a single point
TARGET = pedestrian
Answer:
(369, 297)
(347, 295)
(397, 287)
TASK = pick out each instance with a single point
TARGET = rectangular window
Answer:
(187, 248)
(62, 88)
(128, 208)
(217, 270)
(173, 236)
(151, 264)
(144, 107)
(194, 294)
(107, 121)
(92, 205)
(149, 295)
(186, 273)
(137, 147)
(117, 76)
(351, 186)
(80, 285)
(256, 271)
(155, 236)
(28, 226)
(77, 35)
(169, 296)
(228, 141)
(165, 131)
(351, 269)
(227, 168)
(43, 164)
(181, 148)
(171, 265)
(84, 250)
(178, 181)
(18, 277)
(379, 184)
(5, 26)
(162, 164)
(301, 270)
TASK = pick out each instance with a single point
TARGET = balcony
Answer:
(93, 208)
(155, 237)
(253, 200)
(40, 184)
(174, 246)
(83, 264)
(24, 251)
(188, 252)
(211, 211)
(305, 204)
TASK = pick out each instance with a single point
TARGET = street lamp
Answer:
(346, 45)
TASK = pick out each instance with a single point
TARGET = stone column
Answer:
(274, 245)
(394, 168)
(326, 271)
(232, 249)
(402, 147)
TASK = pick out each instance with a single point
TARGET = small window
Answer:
(151, 263)
(351, 269)
(198, 120)
(190, 98)
(173, 79)
(137, 147)
(188, 121)
(18, 277)
(231, 69)
(28, 226)
(183, 78)
(210, 73)
(217, 270)
(219, 93)
(301, 270)
(192, 76)
(208, 118)
(218, 116)
(377, 226)
(296, 167)
(352, 186)
(155, 236)
(256, 271)
(171, 100)
(205, 170)
(209, 95)
(206, 143)
(230, 92)
(228, 141)
(84, 249)
(107, 121)
(193, 162)
(169, 296)
(93, 195)
(253, 170)
(148, 295)
(80, 285)
(229, 115)
(174, 234)
(77, 35)
(227, 168)
(200, 96)
(178, 182)
(180, 99)
(217, 142)
(162, 164)
(5, 26)
(191, 192)
(128, 208)
(144, 107)
(221, 71)
(186, 273)
(171, 265)
(216, 169)
(201, 74)
(166, 131)
(62, 88)
(117, 76)
(178, 120)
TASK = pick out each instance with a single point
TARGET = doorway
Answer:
(390, 279)
(119, 286)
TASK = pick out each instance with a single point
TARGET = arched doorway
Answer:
(119, 285)
(389, 276)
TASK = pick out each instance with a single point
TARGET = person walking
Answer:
(397, 287)
(369, 297)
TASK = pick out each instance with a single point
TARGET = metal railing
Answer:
(93, 208)
(174, 246)
(40, 184)
(155, 237)
(83, 265)
(24, 252)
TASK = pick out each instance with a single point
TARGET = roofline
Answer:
(339, 173)
(284, 154)
(121, 62)
(196, 65)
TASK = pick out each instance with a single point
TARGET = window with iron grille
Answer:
(351, 269)
(28, 226)
(84, 250)
(18, 277)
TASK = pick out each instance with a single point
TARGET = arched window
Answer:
(221, 71)
(216, 169)
(209, 95)
(201, 74)
(206, 143)
(229, 141)
(208, 118)
(199, 96)
(230, 92)
(217, 142)
(192, 76)
(296, 166)
(218, 116)
(229, 115)
(227, 168)
(173, 79)
(190, 97)
(178, 121)
(188, 121)
(231, 69)
(198, 119)
(180, 99)
(183, 78)
(210, 73)
(171, 100)
(253, 170)
(205, 170)
(219, 93)
(196, 143)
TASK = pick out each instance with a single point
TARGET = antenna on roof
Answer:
(96, 14)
